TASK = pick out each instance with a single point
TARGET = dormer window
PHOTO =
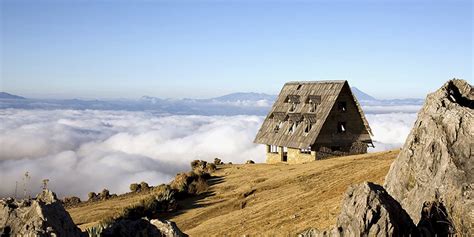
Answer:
(292, 107)
(312, 106)
(278, 127)
(292, 128)
(342, 106)
(313, 101)
(307, 128)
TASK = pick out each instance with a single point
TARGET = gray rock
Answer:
(42, 216)
(368, 210)
(436, 163)
(167, 228)
(142, 227)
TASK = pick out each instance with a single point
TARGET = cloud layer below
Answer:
(83, 151)
(88, 150)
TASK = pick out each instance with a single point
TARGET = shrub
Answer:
(70, 201)
(198, 165)
(198, 186)
(144, 186)
(195, 164)
(105, 194)
(92, 196)
(218, 161)
(134, 187)
(96, 231)
(151, 206)
(180, 182)
(191, 183)
(211, 168)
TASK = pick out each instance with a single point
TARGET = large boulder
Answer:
(436, 163)
(41, 216)
(368, 210)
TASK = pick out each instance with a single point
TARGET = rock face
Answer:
(435, 166)
(42, 216)
(368, 210)
(142, 227)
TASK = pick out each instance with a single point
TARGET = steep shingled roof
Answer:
(300, 92)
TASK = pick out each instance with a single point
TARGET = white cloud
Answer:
(390, 129)
(82, 151)
(379, 109)
(87, 150)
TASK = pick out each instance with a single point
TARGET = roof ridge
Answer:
(316, 82)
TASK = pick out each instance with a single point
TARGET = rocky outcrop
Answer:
(434, 171)
(142, 227)
(41, 216)
(368, 210)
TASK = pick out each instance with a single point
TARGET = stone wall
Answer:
(294, 156)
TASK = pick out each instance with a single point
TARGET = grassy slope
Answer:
(263, 199)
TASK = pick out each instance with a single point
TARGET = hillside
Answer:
(261, 198)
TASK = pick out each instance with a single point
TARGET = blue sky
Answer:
(126, 49)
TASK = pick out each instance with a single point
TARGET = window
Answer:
(273, 149)
(278, 127)
(307, 129)
(341, 127)
(312, 106)
(306, 150)
(292, 107)
(293, 128)
(313, 101)
(342, 106)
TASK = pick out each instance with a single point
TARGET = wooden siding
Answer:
(327, 91)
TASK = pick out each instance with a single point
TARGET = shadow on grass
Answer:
(192, 202)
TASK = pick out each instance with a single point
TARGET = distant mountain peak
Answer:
(241, 96)
(360, 95)
(5, 95)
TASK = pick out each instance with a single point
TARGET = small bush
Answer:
(144, 186)
(191, 183)
(218, 161)
(151, 206)
(195, 164)
(198, 186)
(211, 168)
(70, 201)
(180, 182)
(96, 231)
(105, 194)
(92, 196)
(134, 187)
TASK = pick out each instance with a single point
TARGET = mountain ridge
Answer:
(5, 95)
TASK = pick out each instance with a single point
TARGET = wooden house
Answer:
(312, 120)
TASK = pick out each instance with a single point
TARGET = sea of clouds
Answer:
(81, 151)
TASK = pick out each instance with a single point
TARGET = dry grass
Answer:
(262, 199)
